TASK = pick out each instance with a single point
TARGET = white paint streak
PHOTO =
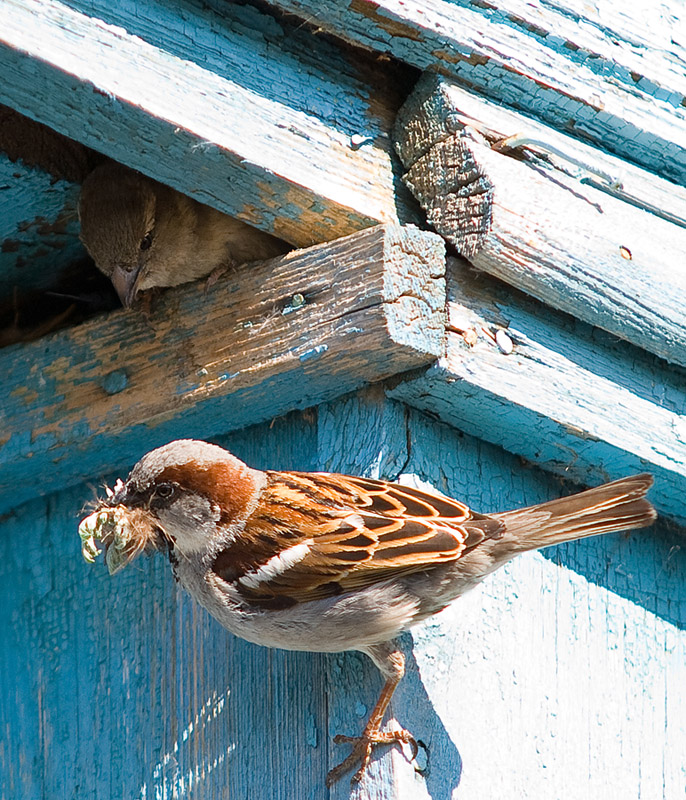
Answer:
(167, 781)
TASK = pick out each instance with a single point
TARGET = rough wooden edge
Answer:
(281, 161)
(589, 76)
(580, 248)
(282, 334)
(439, 107)
(555, 391)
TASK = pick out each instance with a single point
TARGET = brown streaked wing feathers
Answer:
(365, 531)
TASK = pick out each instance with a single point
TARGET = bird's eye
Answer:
(146, 241)
(164, 490)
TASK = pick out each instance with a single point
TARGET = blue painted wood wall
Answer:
(564, 674)
(561, 676)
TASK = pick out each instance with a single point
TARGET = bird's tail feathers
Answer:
(617, 506)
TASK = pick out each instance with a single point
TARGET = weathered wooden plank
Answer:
(281, 334)
(38, 199)
(276, 128)
(555, 391)
(572, 245)
(38, 227)
(614, 77)
(439, 107)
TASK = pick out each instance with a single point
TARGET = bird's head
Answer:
(181, 496)
(118, 212)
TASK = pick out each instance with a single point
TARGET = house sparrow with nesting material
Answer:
(325, 562)
(143, 234)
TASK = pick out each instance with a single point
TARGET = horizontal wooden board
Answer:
(590, 250)
(556, 391)
(271, 125)
(609, 74)
(277, 335)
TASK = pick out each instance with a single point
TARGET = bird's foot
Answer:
(146, 302)
(362, 751)
(219, 272)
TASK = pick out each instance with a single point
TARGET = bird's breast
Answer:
(346, 622)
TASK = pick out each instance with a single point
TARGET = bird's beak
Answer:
(126, 283)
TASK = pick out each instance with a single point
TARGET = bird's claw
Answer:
(362, 751)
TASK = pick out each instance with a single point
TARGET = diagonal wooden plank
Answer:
(558, 231)
(286, 333)
(280, 130)
(556, 391)
(611, 75)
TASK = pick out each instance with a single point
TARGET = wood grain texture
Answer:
(613, 76)
(260, 115)
(282, 334)
(439, 107)
(571, 245)
(567, 397)
(561, 676)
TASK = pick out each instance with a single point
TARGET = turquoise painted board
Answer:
(562, 676)
(609, 73)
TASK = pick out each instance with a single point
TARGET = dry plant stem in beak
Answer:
(117, 527)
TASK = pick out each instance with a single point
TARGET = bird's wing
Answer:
(316, 535)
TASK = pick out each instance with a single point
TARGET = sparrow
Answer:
(143, 234)
(326, 562)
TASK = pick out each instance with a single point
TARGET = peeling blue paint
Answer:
(38, 227)
(533, 61)
(314, 352)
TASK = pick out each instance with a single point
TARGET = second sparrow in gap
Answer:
(143, 234)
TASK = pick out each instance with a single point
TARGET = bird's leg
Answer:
(394, 669)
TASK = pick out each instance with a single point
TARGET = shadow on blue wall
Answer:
(647, 567)
(443, 761)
